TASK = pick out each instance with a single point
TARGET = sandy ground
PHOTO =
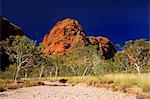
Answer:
(63, 92)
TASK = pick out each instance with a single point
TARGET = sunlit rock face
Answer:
(66, 34)
(63, 37)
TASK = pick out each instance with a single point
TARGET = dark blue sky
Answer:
(119, 20)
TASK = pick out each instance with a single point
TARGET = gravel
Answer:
(63, 92)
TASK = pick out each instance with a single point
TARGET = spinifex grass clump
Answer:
(129, 80)
(122, 81)
(144, 82)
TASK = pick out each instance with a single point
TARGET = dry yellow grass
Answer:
(120, 80)
(129, 80)
(10, 84)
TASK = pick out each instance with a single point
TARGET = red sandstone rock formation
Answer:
(107, 47)
(67, 33)
(64, 36)
(104, 44)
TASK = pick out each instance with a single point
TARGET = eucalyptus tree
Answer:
(22, 52)
(138, 53)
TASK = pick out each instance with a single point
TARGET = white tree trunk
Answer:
(56, 71)
(135, 63)
(16, 74)
(41, 72)
(26, 73)
(73, 70)
(85, 71)
(50, 74)
(126, 70)
(138, 70)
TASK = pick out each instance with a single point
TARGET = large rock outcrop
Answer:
(63, 37)
(107, 47)
(66, 34)
(104, 44)
(6, 29)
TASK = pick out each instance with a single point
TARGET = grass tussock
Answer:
(75, 79)
(10, 84)
(121, 81)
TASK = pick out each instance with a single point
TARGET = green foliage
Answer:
(139, 50)
(9, 72)
(98, 69)
(138, 53)
(22, 52)
(82, 58)
(134, 56)
(118, 45)
(29, 61)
